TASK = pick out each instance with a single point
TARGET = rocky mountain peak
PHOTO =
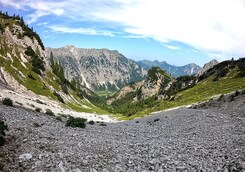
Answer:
(207, 66)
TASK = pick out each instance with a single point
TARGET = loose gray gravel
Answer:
(207, 138)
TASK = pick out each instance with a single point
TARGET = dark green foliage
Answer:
(157, 119)
(1, 28)
(38, 110)
(7, 101)
(220, 70)
(236, 93)
(221, 97)
(76, 122)
(36, 60)
(94, 99)
(103, 124)
(126, 107)
(3, 127)
(91, 122)
(73, 84)
(152, 73)
(39, 101)
(58, 118)
(32, 77)
(59, 72)
(36, 125)
(49, 112)
(181, 83)
(59, 97)
(65, 88)
(241, 66)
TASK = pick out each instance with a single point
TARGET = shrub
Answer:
(36, 125)
(49, 112)
(236, 93)
(76, 122)
(39, 101)
(58, 118)
(3, 127)
(7, 101)
(91, 122)
(31, 77)
(59, 97)
(155, 120)
(38, 109)
(103, 124)
(221, 97)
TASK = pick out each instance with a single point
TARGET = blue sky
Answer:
(176, 31)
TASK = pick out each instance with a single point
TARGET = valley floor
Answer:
(210, 137)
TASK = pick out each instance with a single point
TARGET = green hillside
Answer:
(224, 78)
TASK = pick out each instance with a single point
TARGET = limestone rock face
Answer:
(97, 69)
(207, 66)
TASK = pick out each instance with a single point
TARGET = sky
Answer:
(176, 31)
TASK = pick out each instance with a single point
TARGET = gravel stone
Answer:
(207, 139)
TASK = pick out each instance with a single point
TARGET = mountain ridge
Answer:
(188, 69)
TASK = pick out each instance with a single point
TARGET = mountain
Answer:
(97, 69)
(163, 92)
(207, 66)
(27, 77)
(175, 71)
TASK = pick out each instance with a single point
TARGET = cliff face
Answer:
(97, 69)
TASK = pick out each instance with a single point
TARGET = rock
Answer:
(77, 170)
(25, 157)
(62, 169)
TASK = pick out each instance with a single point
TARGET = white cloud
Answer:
(80, 30)
(211, 26)
(171, 47)
(42, 24)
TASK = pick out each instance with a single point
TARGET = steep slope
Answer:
(175, 71)
(97, 69)
(207, 66)
(25, 70)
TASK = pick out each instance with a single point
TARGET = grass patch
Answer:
(91, 109)
(105, 93)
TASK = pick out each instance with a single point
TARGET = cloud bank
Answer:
(215, 27)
